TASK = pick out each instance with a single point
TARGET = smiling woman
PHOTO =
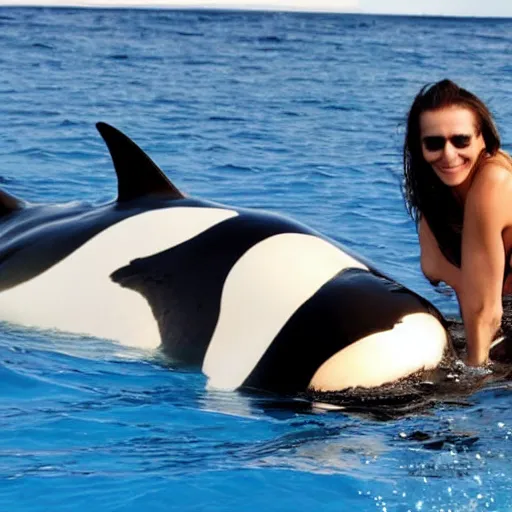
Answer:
(452, 156)
(458, 189)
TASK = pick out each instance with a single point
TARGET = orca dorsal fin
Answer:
(137, 174)
(9, 204)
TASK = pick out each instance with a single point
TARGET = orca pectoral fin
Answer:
(9, 204)
(137, 175)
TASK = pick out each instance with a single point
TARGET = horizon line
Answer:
(233, 5)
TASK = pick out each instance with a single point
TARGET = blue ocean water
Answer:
(297, 113)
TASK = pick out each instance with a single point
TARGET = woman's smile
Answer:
(452, 168)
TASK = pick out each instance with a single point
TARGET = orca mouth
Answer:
(450, 383)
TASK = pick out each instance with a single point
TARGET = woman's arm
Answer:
(487, 213)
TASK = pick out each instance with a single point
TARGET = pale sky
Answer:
(430, 7)
(443, 7)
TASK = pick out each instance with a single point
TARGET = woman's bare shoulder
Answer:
(494, 177)
(496, 166)
(490, 194)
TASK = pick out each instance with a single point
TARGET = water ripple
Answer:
(296, 113)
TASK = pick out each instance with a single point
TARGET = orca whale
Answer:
(254, 299)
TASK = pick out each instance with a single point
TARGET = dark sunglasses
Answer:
(437, 142)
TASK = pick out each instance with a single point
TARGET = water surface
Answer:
(297, 113)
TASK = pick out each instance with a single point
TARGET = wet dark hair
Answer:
(424, 193)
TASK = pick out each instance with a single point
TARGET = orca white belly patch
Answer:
(78, 295)
(417, 342)
(262, 291)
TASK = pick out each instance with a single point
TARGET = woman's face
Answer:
(451, 143)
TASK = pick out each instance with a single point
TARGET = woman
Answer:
(458, 189)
